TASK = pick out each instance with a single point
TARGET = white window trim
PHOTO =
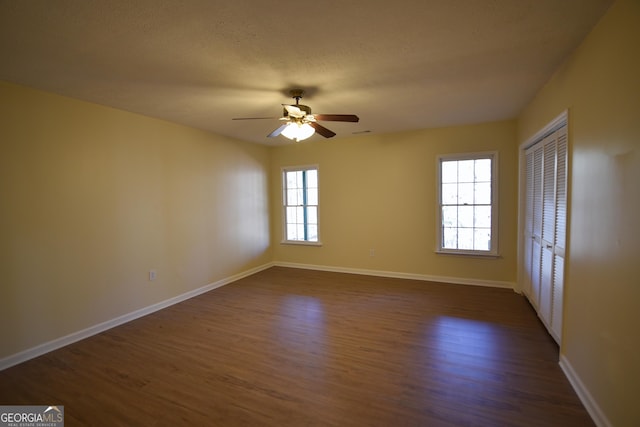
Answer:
(283, 196)
(493, 253)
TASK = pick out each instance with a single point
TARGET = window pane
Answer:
(449, 171)
(465, 238)
(312, 235)
(465, 194)
(449, 216)
(483, 193)
(312, 178)
(291, 215)
(449, 194)
(483, 170)
(482, 239)
(294, 179)
(292, 197)
(450, 238)
(295, 215)
(312, 215)
(312, 196)
(465, 216)
(291, 232)
(482, 216)
(465, 170)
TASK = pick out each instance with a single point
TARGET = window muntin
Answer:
(300, 186)
(467, 214)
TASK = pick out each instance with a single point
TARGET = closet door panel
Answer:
(537, 192)
(560, 234)
(528, 227)
(548, 227)
(536, 254)
(536, 224)
(557, 298)
(548, 190)
(546, 279)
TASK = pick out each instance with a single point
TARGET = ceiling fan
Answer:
(299, 123)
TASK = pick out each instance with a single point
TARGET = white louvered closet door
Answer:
(533, 223)
(528, 230)
(548, 227)
(560, 234)
(545, 227)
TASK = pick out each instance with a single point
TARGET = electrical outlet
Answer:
(152, 275)
(372, 252)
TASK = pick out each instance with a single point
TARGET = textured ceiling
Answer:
(399, 65)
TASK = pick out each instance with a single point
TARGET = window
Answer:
(300, 197)
(467, 214)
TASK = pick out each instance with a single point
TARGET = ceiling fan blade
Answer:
(277, 131)
(322, 130)
(254, 118)
(337, 117)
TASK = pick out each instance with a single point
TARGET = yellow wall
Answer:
(379, 192)
(92, 198)
(600, 85)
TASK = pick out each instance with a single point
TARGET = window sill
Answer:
(300, 243)
(470, 254)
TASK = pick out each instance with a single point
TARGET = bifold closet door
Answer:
(545, 227)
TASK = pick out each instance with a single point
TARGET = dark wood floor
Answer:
(288, 347)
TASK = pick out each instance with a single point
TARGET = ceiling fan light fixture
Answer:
(299, 124)
(298, 131)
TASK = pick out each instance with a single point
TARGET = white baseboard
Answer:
(398, 275)
(599, 418)
(44, 348)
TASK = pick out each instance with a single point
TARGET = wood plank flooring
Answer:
(290, 347)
